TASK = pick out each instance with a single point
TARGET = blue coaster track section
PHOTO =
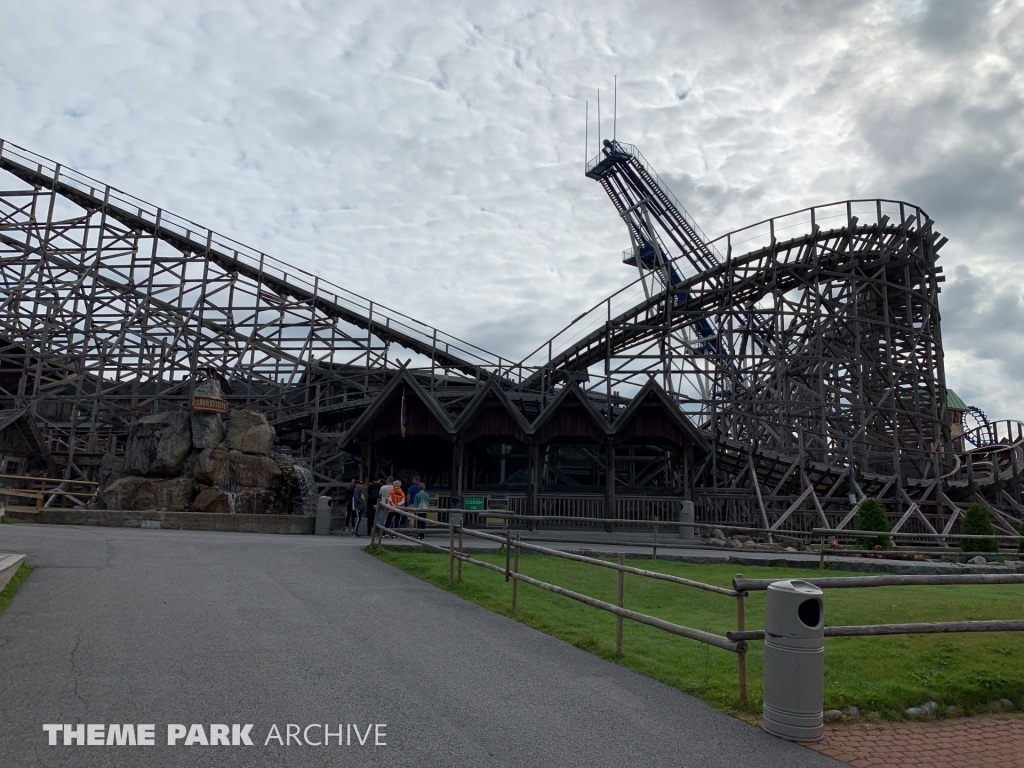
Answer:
(646, 204)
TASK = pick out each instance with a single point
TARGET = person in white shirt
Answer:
(382, 497)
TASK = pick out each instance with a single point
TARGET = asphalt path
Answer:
(120, 625)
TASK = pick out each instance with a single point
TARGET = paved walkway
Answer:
(968, 742)
(153, 626)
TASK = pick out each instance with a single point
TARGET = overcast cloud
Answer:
(430, 155)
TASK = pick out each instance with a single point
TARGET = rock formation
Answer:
(191, 462)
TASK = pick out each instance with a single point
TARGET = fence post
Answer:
(821, 554)
(654, 556)
(742, 655)
(508, 552)
(460, 553)
(515, 582)
(451, 555)
(618, 619)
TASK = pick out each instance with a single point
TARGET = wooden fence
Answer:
(44, 492)
(734, 641)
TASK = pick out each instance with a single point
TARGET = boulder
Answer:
(245, 501)
(254, 501)
(130, 493)
(158, 445)
(176, 494)
(150, 493)
(207, 430)
(231, 470)
(212, 500)
(111, 469)
(249, 432)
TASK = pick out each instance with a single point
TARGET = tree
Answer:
(871, 516)
(977, 523)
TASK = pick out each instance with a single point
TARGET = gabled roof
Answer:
(953, 402)
(404, 378)
(655, 390)
(489, 388)
(571, 389)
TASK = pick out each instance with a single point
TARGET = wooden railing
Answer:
(44, 492)
(734, 641)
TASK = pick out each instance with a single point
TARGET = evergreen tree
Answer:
(871, 516)
(976, 523)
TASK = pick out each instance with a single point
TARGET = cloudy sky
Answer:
(430, 155)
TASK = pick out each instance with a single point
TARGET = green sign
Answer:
(473, 503)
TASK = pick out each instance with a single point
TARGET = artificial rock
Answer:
(249, 432)
(158, 444)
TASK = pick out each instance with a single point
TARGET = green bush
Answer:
(871, 516)
(977, 523)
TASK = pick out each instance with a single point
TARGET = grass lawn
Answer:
(12, 586)
(884, 674)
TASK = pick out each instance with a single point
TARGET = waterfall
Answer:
(307, 488)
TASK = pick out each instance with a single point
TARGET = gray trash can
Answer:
(322, 527)
(794, 661)
(687, 532)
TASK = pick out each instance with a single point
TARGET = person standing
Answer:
(396, 498)
(372, 497)
(382, 511)
(410, 496)
(349, 508)
(358, 506)
(422, 503)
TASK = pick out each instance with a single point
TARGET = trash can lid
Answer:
(796, 586)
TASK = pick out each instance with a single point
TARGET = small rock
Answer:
(791, 549)
(922, 710)
(831, 715)
(1010, 563)
(742, 539)
(979, 560)
(735, 544)
(762, 547)
(853, 712)
(1005, 704)
(717, 533)
(873, 716)
(718, 542)
(954, 710)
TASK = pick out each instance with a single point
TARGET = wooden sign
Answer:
(205, 404)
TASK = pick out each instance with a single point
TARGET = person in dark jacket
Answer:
(349, 506)
(358, 506)
(372, 497)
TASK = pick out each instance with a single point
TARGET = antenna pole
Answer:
(615, 108)
(599, 121)
(586, 139)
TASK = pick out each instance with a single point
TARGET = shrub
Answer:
(976, 523)
(871, 516)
